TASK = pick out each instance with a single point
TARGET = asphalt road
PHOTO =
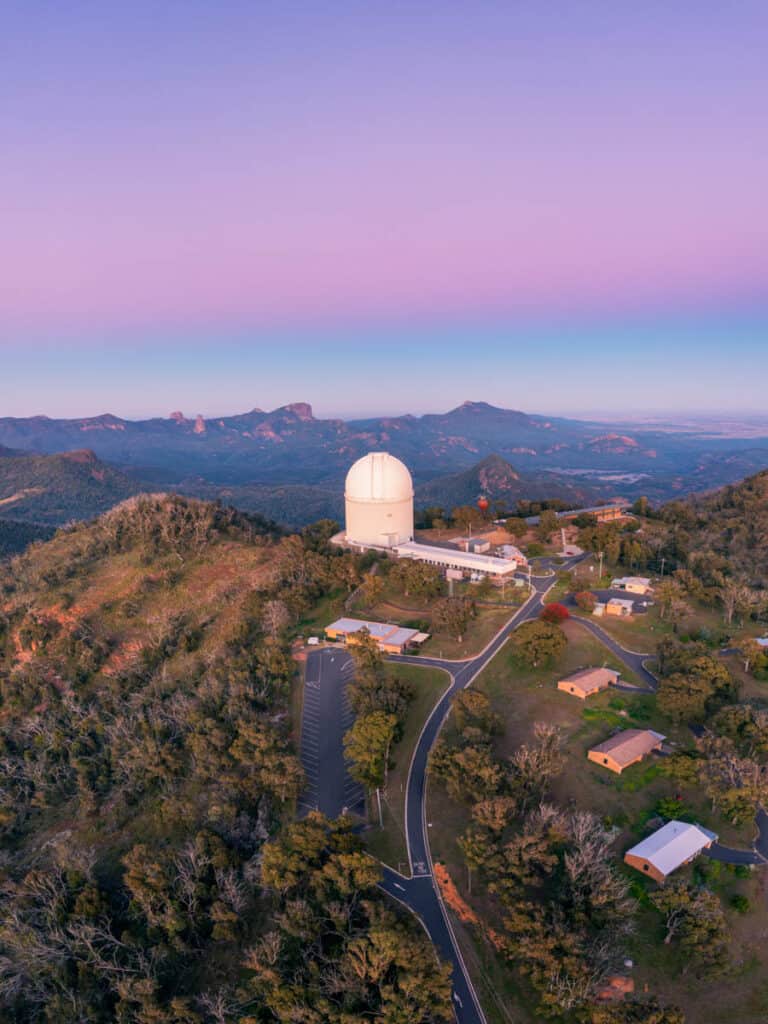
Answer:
(634, 660)
(420, 893)
(329, 786)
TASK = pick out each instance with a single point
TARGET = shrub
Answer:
(586, 600)
(740, 903)
(554, 612)
(671, 808)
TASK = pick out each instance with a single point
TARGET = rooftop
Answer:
(625, 747)
(672, 845)
(457, 557)
(386, 632)
(592, 675)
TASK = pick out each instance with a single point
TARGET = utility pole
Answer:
(601, 566)
(662, 567)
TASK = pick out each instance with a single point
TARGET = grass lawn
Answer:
(388, 844)
(480, 630)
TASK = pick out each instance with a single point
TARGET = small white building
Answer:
(632, 584)
(620, 607)
(477, 545)
(512, 553)
(667, 849)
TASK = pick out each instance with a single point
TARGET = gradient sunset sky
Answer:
(383, 207)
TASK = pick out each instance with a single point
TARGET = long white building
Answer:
(465, 561)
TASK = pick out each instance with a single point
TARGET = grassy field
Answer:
(388, 844)
(523, 697)
(414, 611)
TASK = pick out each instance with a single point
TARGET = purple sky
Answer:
(196, 175)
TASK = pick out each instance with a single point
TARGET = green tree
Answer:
(517, 526)
(367, 745)
(537, 643)
(452, 615)
(548, 523)
(694, 918)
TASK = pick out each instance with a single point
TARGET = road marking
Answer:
(400, 887)
(458, 1000)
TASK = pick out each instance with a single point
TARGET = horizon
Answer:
(638, 418)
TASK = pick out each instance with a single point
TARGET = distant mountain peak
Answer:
(476, 407)
(301, 410)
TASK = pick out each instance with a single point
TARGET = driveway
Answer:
(325, 718)
(640, 603)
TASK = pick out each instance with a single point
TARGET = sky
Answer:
(383, 207)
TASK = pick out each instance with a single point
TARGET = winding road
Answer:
(420, 892)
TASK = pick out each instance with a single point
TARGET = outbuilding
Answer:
(391, 639)
(452, 558)
(625, 748)
(620, 607)
(588, 681)
(667, 849)
(632, 584)
(477, 545)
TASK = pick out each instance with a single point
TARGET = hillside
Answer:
(53, 489)
(732, 523)
(495, 478)
(149, 868)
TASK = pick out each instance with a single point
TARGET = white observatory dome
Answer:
(379, 502)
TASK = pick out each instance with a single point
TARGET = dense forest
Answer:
(150, 871)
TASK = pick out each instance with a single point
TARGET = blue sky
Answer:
(383, 207)
(717, 364)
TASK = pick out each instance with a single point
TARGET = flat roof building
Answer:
(588, 681)
(511, 552)
(619, 606)
(673, 845)
(391, 639)
(452, 558)
(625, 748)
(602, 513)
(478, 545)
(632, 584)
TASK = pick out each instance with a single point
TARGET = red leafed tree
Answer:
(554, 612)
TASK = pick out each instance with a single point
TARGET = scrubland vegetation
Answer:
(149, 872)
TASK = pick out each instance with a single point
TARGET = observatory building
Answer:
(378, 497)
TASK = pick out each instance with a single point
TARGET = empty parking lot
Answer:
(326, 716)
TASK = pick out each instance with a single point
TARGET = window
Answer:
(605, 760)
(646, 868)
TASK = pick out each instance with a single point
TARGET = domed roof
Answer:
(378, 476)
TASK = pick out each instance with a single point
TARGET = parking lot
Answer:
(326, 716)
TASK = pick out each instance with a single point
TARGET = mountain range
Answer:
(290, 465)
